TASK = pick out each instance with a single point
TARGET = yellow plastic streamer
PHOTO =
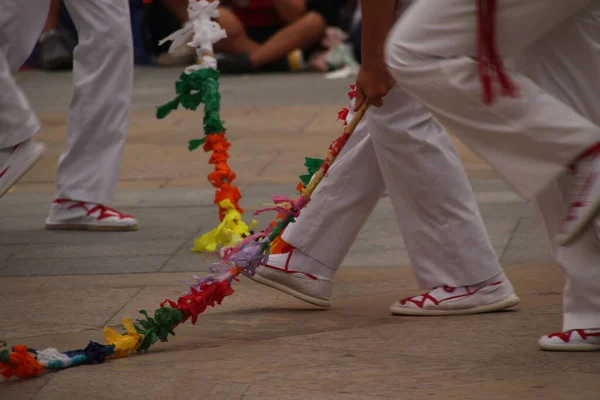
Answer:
(229, 232)
(125, 344)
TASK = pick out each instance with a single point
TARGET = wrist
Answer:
(372, 48)
(372, 58)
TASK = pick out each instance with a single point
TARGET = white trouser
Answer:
(530, 139)
(410, 155)
(102, 89)
(21, 22)
(551, 62)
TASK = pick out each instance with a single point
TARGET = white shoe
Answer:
(574, 340)
(276, 273)
(458, 301)
(18, 160)
(583, 197)
(66, 214)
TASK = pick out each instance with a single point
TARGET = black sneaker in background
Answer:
(233, 64)
(53, 52)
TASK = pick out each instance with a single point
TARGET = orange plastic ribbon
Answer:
(21, 364)
(222, 176)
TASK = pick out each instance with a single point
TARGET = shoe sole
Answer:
(569, 347)
(93, 228)
(300, 296)
(31, 163)
(567, 239)
(508, 302)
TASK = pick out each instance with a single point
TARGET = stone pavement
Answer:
(60, 288)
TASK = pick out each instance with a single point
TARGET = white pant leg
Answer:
(565, 62)
(529, 139)
(99, 112)
(432, 199)
(434, 204)
(341, 204)
(21, 22)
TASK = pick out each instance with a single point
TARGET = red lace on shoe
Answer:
(566, 336)
(104, 211)
(448, 289)
(289, 271)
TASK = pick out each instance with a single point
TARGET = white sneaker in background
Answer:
(17, 161)
(67, 214)
(574, 340)
(445, 300)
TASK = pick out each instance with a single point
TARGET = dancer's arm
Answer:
(374, 81)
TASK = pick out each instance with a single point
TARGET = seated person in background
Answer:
(267, 35)
(54, 51)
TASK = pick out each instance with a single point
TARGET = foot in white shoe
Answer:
(66, 214)
(446, 300)
(17, 161)
(282, 272)
(574, 340)
(583, 196)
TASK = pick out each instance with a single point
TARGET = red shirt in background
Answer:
(256, 13)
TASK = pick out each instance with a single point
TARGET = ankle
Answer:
(302, 262)
(500, 277)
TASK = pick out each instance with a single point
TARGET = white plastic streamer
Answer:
(204, 31)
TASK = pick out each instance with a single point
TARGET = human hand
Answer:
(373, 83)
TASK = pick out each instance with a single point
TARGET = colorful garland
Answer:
(23, 362)
(278, 245)
(199, 84)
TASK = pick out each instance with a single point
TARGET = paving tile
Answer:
(228, 391)
(186, 260)
(154, 280)
(106, 382)
(528, 243)
(16, 330)
(21, 285)
(82, 265)
(117, 249)
(550, 386)
(90, 307)
(22, 390)
(267, 392)
(388, 376)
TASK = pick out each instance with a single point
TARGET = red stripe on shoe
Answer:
(566, 336)
(428, 296)
(287, 270)
(105, 212)
(3, 172)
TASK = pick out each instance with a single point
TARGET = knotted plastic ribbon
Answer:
(125, 343)
(196, 302)
(160, 327)
(20, 364)
(293, 206)
(94, 353)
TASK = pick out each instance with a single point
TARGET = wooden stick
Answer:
(320, 174)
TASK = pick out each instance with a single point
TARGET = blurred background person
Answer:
(262, 35)
(55, 46)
